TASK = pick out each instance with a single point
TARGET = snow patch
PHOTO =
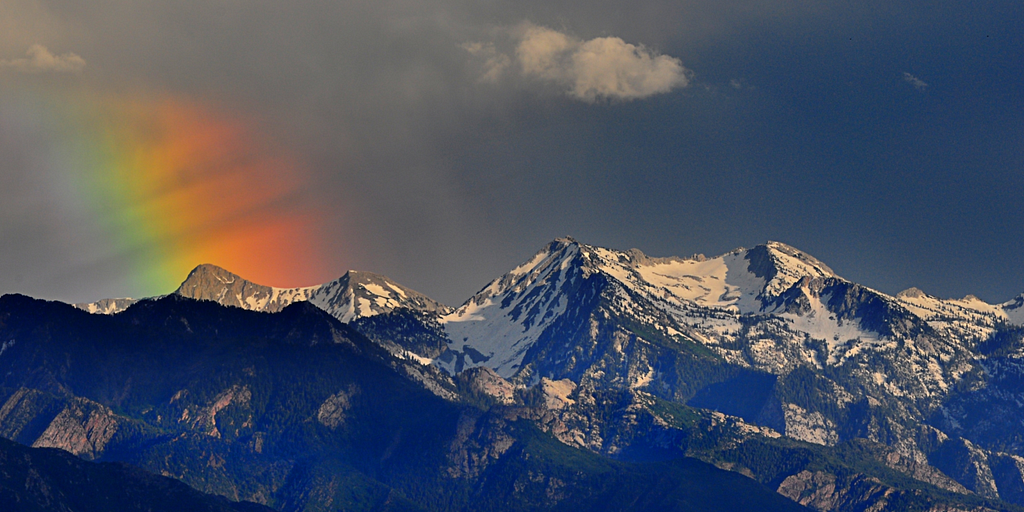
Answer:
(508, 316)
(968, 318)
(376, 289)
(412, 356)
(844, 338)
(5, 346)
(1014, 310)
(365, 307)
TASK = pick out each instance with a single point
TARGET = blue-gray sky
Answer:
(446, 141)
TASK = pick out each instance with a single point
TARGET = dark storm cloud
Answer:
(445, 163)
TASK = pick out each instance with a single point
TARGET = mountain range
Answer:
(607, 365)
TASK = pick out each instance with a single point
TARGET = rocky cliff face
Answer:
(83, 428)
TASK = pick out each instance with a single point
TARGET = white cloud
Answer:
(39, 60)
(915, 81)
(545, 53)
(494, 63)
(599, 68)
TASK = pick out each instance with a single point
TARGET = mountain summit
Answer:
(500, 323)
(210, 282)
(352, 296)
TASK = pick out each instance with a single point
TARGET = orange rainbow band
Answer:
(173, 183)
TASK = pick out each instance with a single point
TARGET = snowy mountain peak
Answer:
(912, 293)
(1014, 310)
(502, 321)
(362, 294)
(1014, 303)
(352, 296)
(559, 254)
(782, 266)
(498, 325)
(969, 319)
(743, 280)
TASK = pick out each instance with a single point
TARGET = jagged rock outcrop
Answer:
(83, 428)
(827, 492)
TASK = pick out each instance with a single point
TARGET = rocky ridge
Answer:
(352, 296)
(298, 411)
(933, 381)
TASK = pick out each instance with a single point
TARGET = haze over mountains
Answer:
(761, 361)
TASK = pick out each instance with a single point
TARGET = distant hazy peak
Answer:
(106, 306)
(1015, 303)
(911, 293)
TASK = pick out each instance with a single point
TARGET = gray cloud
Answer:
(915, 81)
(494, 63)
(588, 70)
(39, 60)
(442, 182)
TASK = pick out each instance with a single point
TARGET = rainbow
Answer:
(170, 182)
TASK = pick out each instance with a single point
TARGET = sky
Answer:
(443, 142)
